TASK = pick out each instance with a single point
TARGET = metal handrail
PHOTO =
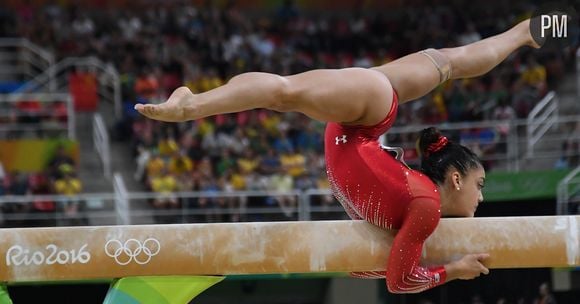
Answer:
(46, 58)
(111, 80)
(121, 202)
(101, 143)
(541, 119)
(563, 193)
(55, 197)
(45, 98)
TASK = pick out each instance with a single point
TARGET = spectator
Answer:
(530, 87)
(180, 164)
(226, 163)
(17, 184)
(62, 157)
(144, 151)
(155, 166)
(293, 163)
(310, 139)
(282, 143)
(534, 75)
(147, 85)
(71, 186)
(205, 168)
(40, 185)
(283, 183)
(506, 114)
(476, 299)
(270, 163)
(168, 146)
(470, 35)
(210, 202)
(164, 185)
(564, 161)
(546, 296)
(2, 172)
(248, 163)
(237, 179)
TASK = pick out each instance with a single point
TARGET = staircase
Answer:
(122, 161)
(548, 149)
(21, 60)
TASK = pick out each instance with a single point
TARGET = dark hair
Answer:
(438, 154)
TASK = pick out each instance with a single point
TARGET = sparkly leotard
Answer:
(374, 186)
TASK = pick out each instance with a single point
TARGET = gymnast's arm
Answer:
(404, 274)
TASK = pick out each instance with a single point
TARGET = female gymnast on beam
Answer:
(359, 105)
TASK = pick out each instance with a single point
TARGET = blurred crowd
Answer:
(58, 178)
(160, 46)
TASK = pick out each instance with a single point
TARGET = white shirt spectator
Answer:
(261, 44)
(83, 26)
(130, 26)
(506, 113)
(469, 36)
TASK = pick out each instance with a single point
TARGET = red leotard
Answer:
(374, 186)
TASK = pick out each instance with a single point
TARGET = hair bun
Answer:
(436, 146)
(431, 141)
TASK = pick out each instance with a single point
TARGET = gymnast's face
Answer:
(464, 192)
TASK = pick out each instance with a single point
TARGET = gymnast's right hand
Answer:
(179, 107)
(467, 268)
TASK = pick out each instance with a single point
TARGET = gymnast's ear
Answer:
(454, 178)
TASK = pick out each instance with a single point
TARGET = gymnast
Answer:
(359, 105)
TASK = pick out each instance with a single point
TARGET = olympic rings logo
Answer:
(132, 250)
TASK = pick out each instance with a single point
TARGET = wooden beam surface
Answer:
(73, 253)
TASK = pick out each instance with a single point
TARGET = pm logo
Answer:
(132, 250)
(554, 24)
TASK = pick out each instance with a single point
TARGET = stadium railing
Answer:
(102, 143)
(542, 117)
(21, 60)
(108, 90)
(568, 199)
(45, 117)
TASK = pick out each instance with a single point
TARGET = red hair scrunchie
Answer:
(438, 145)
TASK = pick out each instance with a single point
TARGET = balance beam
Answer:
(82, 253)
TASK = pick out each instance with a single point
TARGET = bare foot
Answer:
(179, 107)
(530, 40)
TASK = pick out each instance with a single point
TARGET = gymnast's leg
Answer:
(414, 75)
(352, 95)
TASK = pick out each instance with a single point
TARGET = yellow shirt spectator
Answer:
(167, 146)
(535, 75)
(323, 183)
(294, 164)
(68, 186)
(209, 82)
(180, 164)
(248, 165)
(205, 127)
(155, 166)
(164, 184)
(439, 103)
(238, 182)
(271, 123)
